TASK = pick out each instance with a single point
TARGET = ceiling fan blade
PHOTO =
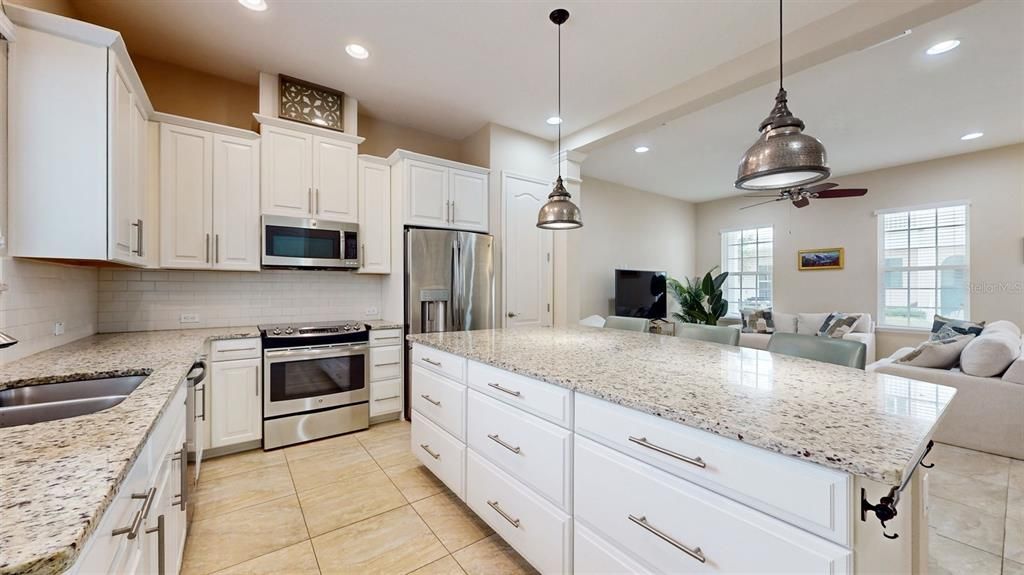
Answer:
(843, 193)
(761, 203)
(765, 196)
(801, 203)
(819, 188)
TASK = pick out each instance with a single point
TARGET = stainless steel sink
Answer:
(47, 402)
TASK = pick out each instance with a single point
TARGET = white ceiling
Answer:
(876, 108)
(450, 67)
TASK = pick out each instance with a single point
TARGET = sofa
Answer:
(987, 413)
(809, 323)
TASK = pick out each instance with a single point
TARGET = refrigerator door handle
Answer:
(456, 292)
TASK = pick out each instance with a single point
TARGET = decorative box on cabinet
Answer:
(440, 193)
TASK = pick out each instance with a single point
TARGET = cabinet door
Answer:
(468, 193)
(235, 396)
(122, 200)
(147, 198)
(285, 171)
(186, 197)
(335, 191)
(375, 217)
(236, 203)
(426, 194)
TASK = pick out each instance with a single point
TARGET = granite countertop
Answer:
(868, 424)
(383, 324)
(58, 477)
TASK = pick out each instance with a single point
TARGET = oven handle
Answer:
(333, 351)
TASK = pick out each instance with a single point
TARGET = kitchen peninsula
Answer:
(601, 450)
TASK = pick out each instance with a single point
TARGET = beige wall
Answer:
(62, 7)
(626, 228)
(993, 182)
(383, 137)
(185, 92)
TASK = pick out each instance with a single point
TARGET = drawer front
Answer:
(228, 349)
(385, 362)
(592, 555)
(536, 529)
(806, 495)
(441, 453)
(446, 364)
(380, 337)
(542, 399)
(532, 450)
(441, 400)
(385, 396)
(670, 524)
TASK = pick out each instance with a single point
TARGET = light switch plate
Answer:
(372, 311)
(189, 318)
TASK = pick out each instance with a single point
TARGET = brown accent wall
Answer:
(383, 138)
(185, 92)
(61, 7)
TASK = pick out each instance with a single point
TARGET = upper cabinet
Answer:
(440, 193)
(78, 144)
(209, 199)
(374, 215)
(308, 172)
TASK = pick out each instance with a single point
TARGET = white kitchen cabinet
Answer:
(385, 372)
(308, 172)
(374, 215)
(74, 154)
(441, 193)
(236, 401)
(209, 196)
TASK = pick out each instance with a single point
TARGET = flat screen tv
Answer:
(640, 293)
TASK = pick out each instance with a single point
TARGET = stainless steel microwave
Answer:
(309, 243)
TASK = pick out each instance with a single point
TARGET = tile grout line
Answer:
(302, 512)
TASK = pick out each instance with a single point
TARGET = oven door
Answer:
(309, 243)
(307, 379)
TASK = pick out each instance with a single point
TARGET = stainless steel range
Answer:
(316, 381)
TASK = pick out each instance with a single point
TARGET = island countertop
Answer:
(58, 477)
(868, 424)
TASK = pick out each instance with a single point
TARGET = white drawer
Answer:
(536, 529)
(592, 555)
(385, 337)
(441, 400)
(447, 364)
(545, 400)
(385, 396)
(441, 453)
(534, 451)
(806, 495)
(228, 349)
(385, 362)
(658, 517)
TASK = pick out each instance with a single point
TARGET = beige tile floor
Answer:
(363, 504)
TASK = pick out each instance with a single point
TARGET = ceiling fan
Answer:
(802, 197)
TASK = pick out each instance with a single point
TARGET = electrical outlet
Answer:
(372, 311)
(189, 318)
(58, 328)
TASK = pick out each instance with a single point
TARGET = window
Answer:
(747, 256)
(923, 265)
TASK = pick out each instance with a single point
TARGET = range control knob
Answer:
(347, 327)
(288, 331)
(277, 331)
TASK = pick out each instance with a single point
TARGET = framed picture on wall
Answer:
(821, 259)
(310, 104)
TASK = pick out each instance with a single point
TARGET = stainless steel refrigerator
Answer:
(449, 284)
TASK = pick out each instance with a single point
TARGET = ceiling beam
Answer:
(853, 28)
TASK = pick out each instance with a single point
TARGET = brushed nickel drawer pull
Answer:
(505, 389)
(389, 337)
(494, 506)
(428, 398)
(432, 362)
(696, 553)
(160, 531)
(386, 364)
(387, 398)
(504, 444)
(427, 449)
(642, 441)
(133, 530)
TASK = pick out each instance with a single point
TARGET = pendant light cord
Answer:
(780, 44)
(558, 158)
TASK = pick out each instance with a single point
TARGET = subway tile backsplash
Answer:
(140, 300)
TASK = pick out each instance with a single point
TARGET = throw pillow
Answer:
(784, 322)
(838, 324)
(758, 321)
(990, 353)
(940, 354)
(960, 326)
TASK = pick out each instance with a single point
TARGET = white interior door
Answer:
(526, 249)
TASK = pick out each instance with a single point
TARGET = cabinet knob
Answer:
(511, 314)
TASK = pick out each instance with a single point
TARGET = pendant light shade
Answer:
(783, 156)
(559, 212)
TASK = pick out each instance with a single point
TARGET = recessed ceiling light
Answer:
(358, 52)
(257, 5)
(554, 120)
(942, 47)
(972, 136)
(641, 149)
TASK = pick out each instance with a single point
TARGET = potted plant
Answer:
(700, 300)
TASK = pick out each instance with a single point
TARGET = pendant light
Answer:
(783, 156)
(559, 213)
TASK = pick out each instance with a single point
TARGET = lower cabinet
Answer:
(236, 396)
(385, 372)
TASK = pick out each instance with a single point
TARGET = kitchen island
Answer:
(602, 450)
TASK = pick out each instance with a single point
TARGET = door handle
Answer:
(137, 224)
(216, 248)
(160, 545)
(207, 248)
(316, 200)
(452, 219)
(133, 530)
(426, 448)
(309, 193)
(511, 314)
